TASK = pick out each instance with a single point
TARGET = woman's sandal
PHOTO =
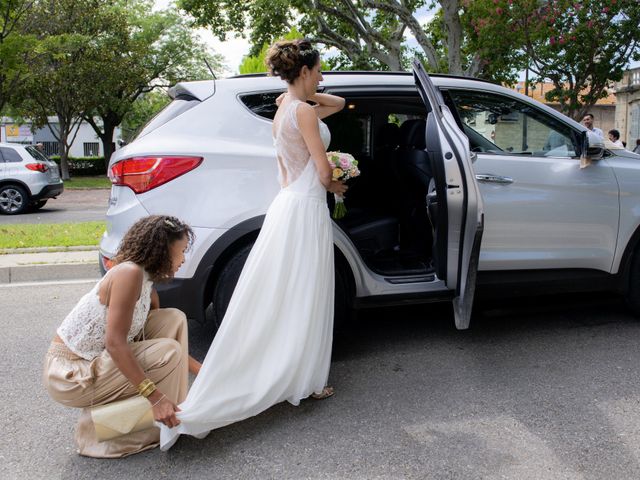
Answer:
(326, 393)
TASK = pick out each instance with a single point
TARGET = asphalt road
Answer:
(72, 206)
(547, 389)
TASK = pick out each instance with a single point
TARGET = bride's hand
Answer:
(280, 98)
(337, 187)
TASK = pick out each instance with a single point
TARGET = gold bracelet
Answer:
(144, 385)
(148, 391)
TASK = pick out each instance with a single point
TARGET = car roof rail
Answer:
(374, 72)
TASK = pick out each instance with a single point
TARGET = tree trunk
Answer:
(63, 149)
(107, 140)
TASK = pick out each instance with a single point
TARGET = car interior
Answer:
(387, 218)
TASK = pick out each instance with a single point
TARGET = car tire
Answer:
(632, 296)
(14, 200)
(38, 205)
(230, 273)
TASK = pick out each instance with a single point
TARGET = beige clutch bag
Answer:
(122, 417)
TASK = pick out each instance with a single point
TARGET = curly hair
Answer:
(148, 241)
(286, 58)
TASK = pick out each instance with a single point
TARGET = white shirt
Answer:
(597, 131)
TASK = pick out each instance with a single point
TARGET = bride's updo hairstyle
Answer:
(286, 58)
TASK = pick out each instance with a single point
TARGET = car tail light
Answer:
(37, 167)
(107, 263)
(141, 174)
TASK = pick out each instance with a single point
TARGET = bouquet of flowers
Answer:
(344, 167)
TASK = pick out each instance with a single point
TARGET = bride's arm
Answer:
(308, 124)
(327, 104)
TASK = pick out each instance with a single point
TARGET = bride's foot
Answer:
(326, 393)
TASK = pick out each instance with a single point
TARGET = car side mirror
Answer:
(594, 145)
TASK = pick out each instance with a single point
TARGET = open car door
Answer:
(454, 201)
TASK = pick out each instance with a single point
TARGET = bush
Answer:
(80, 166)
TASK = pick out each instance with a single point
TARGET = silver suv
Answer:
(463, 182)
(27, 179)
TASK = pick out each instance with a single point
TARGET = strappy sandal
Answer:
(326, 393)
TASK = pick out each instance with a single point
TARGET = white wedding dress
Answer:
(274, 343)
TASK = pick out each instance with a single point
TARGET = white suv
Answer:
(27, 179)
(463, 182)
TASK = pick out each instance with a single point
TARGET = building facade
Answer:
(86, 142)
(628, 107)
(604, 111)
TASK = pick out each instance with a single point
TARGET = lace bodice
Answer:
(291, 149)
(84, 329)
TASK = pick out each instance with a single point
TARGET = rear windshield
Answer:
(180, 104)
(36, 154)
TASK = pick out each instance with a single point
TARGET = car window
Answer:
(499, 124)
(178, 106)
(36, 154)
(262, 104)
(350, 132)
(10, 155)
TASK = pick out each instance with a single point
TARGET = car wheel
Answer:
(38, 205)
(228, 278)
(13, 200)
(632, 296)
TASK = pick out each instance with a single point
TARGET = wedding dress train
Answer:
(274, 343)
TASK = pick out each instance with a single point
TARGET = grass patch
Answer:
(51, 234)
(78, 183)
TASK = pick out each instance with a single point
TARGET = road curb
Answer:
(78, 248)
(49, 272)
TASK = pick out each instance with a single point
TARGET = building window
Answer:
(51, 148)
(91, 149)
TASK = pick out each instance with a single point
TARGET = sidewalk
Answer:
(43, 265)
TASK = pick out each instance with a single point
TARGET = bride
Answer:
(274, 343)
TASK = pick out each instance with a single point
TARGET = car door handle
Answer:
(492, 178)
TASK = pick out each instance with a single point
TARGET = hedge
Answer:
(84, 165)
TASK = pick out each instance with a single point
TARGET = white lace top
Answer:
(291, 149)
(84, 329)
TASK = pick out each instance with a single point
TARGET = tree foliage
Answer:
(15, 46)
(582, 47)
(142, 51)
(61, 75)
(368, 34)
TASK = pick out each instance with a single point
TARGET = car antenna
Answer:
(212, 74)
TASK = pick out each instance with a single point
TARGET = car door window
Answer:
(499, 124)
(10, 155)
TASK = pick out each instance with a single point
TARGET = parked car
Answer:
(27, 179)
(463, 182)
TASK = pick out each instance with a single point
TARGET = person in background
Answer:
(637, 147)
(614, 137)
(587, 121)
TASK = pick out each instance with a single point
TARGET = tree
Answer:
(142, 51)
(582, 47)
(369, 34)
(61, 74)
(257, 63)
(15, 46)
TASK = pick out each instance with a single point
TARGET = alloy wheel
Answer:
(11, 200)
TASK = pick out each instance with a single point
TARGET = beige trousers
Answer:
(76, 382)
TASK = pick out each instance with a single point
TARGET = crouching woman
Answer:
(117, 342)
